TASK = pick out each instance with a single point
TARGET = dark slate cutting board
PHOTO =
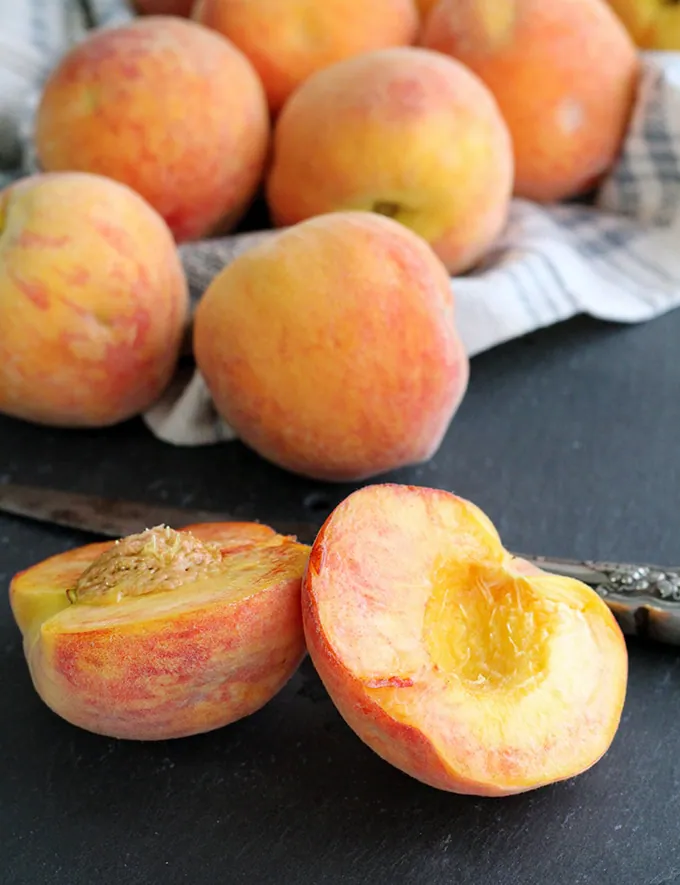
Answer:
(570, 440)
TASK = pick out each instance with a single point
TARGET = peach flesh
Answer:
(166, 634)
(447, 657)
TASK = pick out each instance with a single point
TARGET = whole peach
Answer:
(93, 301)
(332, 349)
(166, 106)
(287, 42)
(564, 74)
(403, 132)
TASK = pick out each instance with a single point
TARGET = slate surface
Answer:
(570, 440)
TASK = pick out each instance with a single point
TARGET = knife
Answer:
(645, 599)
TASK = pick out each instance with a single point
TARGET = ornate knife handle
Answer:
(645, 599)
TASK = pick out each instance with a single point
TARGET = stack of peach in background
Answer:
(387, 139)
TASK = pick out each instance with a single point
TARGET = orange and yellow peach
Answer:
(288, 42)
(332, 348)
(167, 107)
(448, 657)
(93, 301)
(403, 132)
(164, 634)
(564, 74)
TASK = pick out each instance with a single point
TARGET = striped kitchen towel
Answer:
(617, 260)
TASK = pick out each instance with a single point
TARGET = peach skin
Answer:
(287, 42)
(455, 663)
(566, 109)
(332, 349)
(406, 133)
(93, 301)
(164, 634)
(167, 107)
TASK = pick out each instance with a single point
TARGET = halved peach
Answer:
(447, 656)
(165, 633)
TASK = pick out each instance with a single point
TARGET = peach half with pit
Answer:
(165, 633)
(453, 660)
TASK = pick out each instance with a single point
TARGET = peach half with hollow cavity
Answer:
(454, 661)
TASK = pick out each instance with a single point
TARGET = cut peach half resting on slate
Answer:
(454, 661)
(164, 634)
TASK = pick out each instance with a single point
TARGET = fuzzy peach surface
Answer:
(287, 42)
(332, 348)
(564, 73)
(93, 301)
(403, 132)
(166, 106)
(451, 660)
(175, 662)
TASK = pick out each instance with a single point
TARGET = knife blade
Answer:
(645, 599)
(116, 517)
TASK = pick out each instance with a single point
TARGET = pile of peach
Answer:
(457, 663)
(387, 139)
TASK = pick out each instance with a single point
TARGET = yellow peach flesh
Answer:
(200, 641)
(447, 660)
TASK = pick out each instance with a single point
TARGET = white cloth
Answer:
(618, 260)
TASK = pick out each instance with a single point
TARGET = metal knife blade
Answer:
(645, 599)
(115, 517)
